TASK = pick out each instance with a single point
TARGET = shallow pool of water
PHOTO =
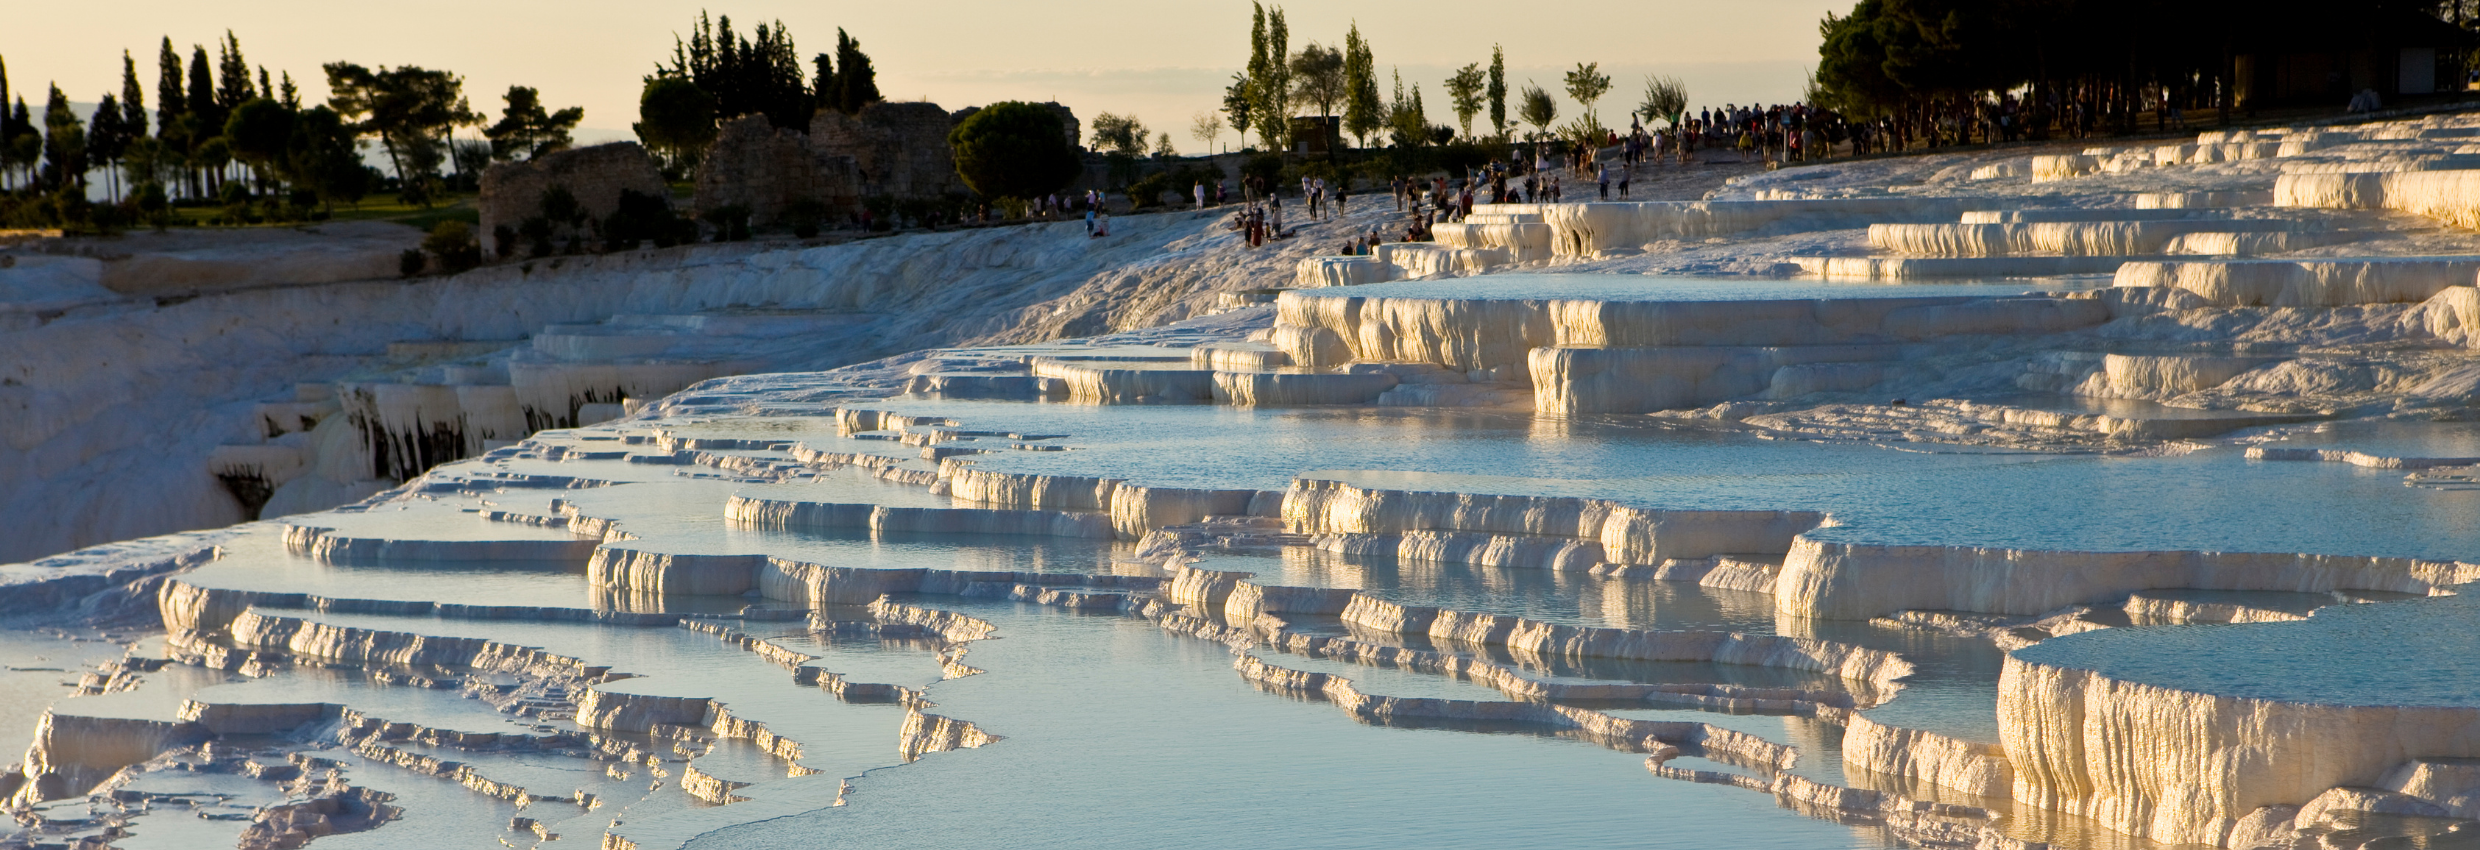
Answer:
(1636, 287)
(2422, 653)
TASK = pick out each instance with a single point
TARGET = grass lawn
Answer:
(455, 206)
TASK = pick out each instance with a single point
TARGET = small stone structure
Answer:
(512, 192)
(896, 150)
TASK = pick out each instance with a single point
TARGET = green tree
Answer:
(411, 109)
(745, 74)
(1119, 134)
(1537, 108)
(324, 156)
(1364, 111)
(21, 145)
(1270, 77)
(1319, 75)
(1498, 90)
(526, 129)
(232, 87)
(1406, 120)
(106, 141)
(260, 131)
(675, 119)
(169, 102)
(8, 131)
(1206, 128)
(64, 144)
(1587, 84)
(856, 81)
(1464, 89)
(1666, 99)
(1851, 65)
(1014, 150)
(133, 99)
(1236, 106)
(202, 102)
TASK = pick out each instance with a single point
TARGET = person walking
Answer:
(1605, 180)
(1200, 191)
(1089, 219)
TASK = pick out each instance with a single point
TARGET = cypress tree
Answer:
(822, 84)
(64, 143)
(133, 98)
(856, 82)
(169, 102)
(232, 76)
(107, 139)
(1498, 89)
(202, 101)
(8, 129)
(1363, 109)
(1276, 86)
(22, 141)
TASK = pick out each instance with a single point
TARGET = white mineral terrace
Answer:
(2101, 499)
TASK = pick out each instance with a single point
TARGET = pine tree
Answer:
(266, 87)
(526, 129)
(292, 95)
(1498, 90)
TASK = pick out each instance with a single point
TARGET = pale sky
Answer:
(1163, 62)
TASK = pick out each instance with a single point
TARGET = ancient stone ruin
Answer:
(513, 192)
(890, 150)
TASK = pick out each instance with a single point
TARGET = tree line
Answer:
(1939, 69)
(1339, 85)
(716, 75)
(223, 132)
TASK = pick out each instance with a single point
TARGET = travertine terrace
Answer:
(2091, 498)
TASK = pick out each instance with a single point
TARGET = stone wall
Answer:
(900, 148)
(887, 149)
(765, 169)
(512, 192)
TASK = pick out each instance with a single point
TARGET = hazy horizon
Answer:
(1107, 56)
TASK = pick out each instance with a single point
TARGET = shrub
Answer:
(731, 222)
(411, 261)
(805, 215)
(641, 217)
(537, 233)
(1014, 149)
(453, 242)
(1266, 168)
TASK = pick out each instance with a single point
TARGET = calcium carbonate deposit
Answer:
(2103, 500)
